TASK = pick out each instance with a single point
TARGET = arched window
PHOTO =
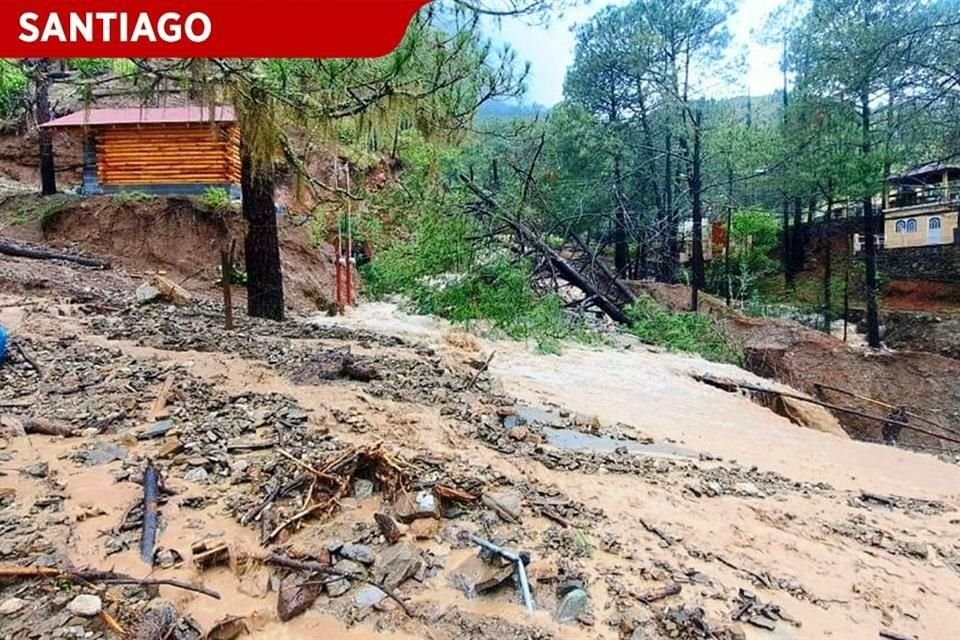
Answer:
(912, 225)
(901, 226)
(934, 223)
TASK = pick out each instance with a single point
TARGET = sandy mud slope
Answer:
(330, 472)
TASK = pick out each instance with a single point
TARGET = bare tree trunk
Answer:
(670, 247)
(41, 83)
(621, 256)
(262, 245)
(786, 259)
(869, 236)
(797, 257)
(826, 237)
(698, 279)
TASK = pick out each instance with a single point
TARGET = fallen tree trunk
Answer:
(19, 251)
(567, 271)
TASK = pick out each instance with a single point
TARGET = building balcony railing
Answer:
(925, 196)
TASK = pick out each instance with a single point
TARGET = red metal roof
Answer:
(161, 115)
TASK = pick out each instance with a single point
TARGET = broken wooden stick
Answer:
(103, 577)
(19, 251)
(476, 376)
(726, 384)
(158, 410)
(820, 386)
(46, 427)
(659, 593)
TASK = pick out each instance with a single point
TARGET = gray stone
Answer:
(507, 504)
(337, 588)
(349, 567)
(37, 470)
(368, 596)
(104, 453)
(573, 605)
(749, 489)
(198, 475)
(85, 605)
(11, 606)
(399, 563)
(408, 509)
(474, 576)
(358, 552)
(146, 293)
(156, 430)
(713, 489)
(362, 489)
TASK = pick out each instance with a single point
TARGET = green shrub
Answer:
(43, 210)
(686, 331)
(216, 199)
(13, 90)
(443, 274)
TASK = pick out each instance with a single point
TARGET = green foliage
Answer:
(42, 210)
(131, 197)
(237, 276)
(91, 67)
(429, 256)
(215, 199)
(13, 89)
(686, 331)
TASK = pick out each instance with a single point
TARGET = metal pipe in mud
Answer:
(517, 560)
(151, 493)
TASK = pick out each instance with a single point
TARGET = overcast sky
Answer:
(549, 50)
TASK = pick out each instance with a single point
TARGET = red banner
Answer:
(203, 28)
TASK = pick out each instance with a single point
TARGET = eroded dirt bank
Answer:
(620, 474)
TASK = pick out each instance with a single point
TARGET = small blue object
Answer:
(3, 343)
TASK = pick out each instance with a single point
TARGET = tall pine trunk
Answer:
(621, 257)
(869, 235)
(670, 259)
(698, 279)
(41, 83)
(262, 245)
(827, 238)
(786, 253)
(797, 257)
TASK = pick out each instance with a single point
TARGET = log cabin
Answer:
(159, 151)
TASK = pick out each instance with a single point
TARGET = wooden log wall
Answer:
(198, 153)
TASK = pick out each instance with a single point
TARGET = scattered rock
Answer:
(146, 293)
(408, 509)
(337, 588)
(507, 504)
(295, 598)
(573, 605)
(37, 470)
(368, 596)
(362, 489)
(198, 475)
(400, 563)
(103, 453)
(474, 576)
(85, 605)
(12, 605)
(424, 529)
(358, 552)
(156, 430)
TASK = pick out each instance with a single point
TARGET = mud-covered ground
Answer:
(678, 510)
